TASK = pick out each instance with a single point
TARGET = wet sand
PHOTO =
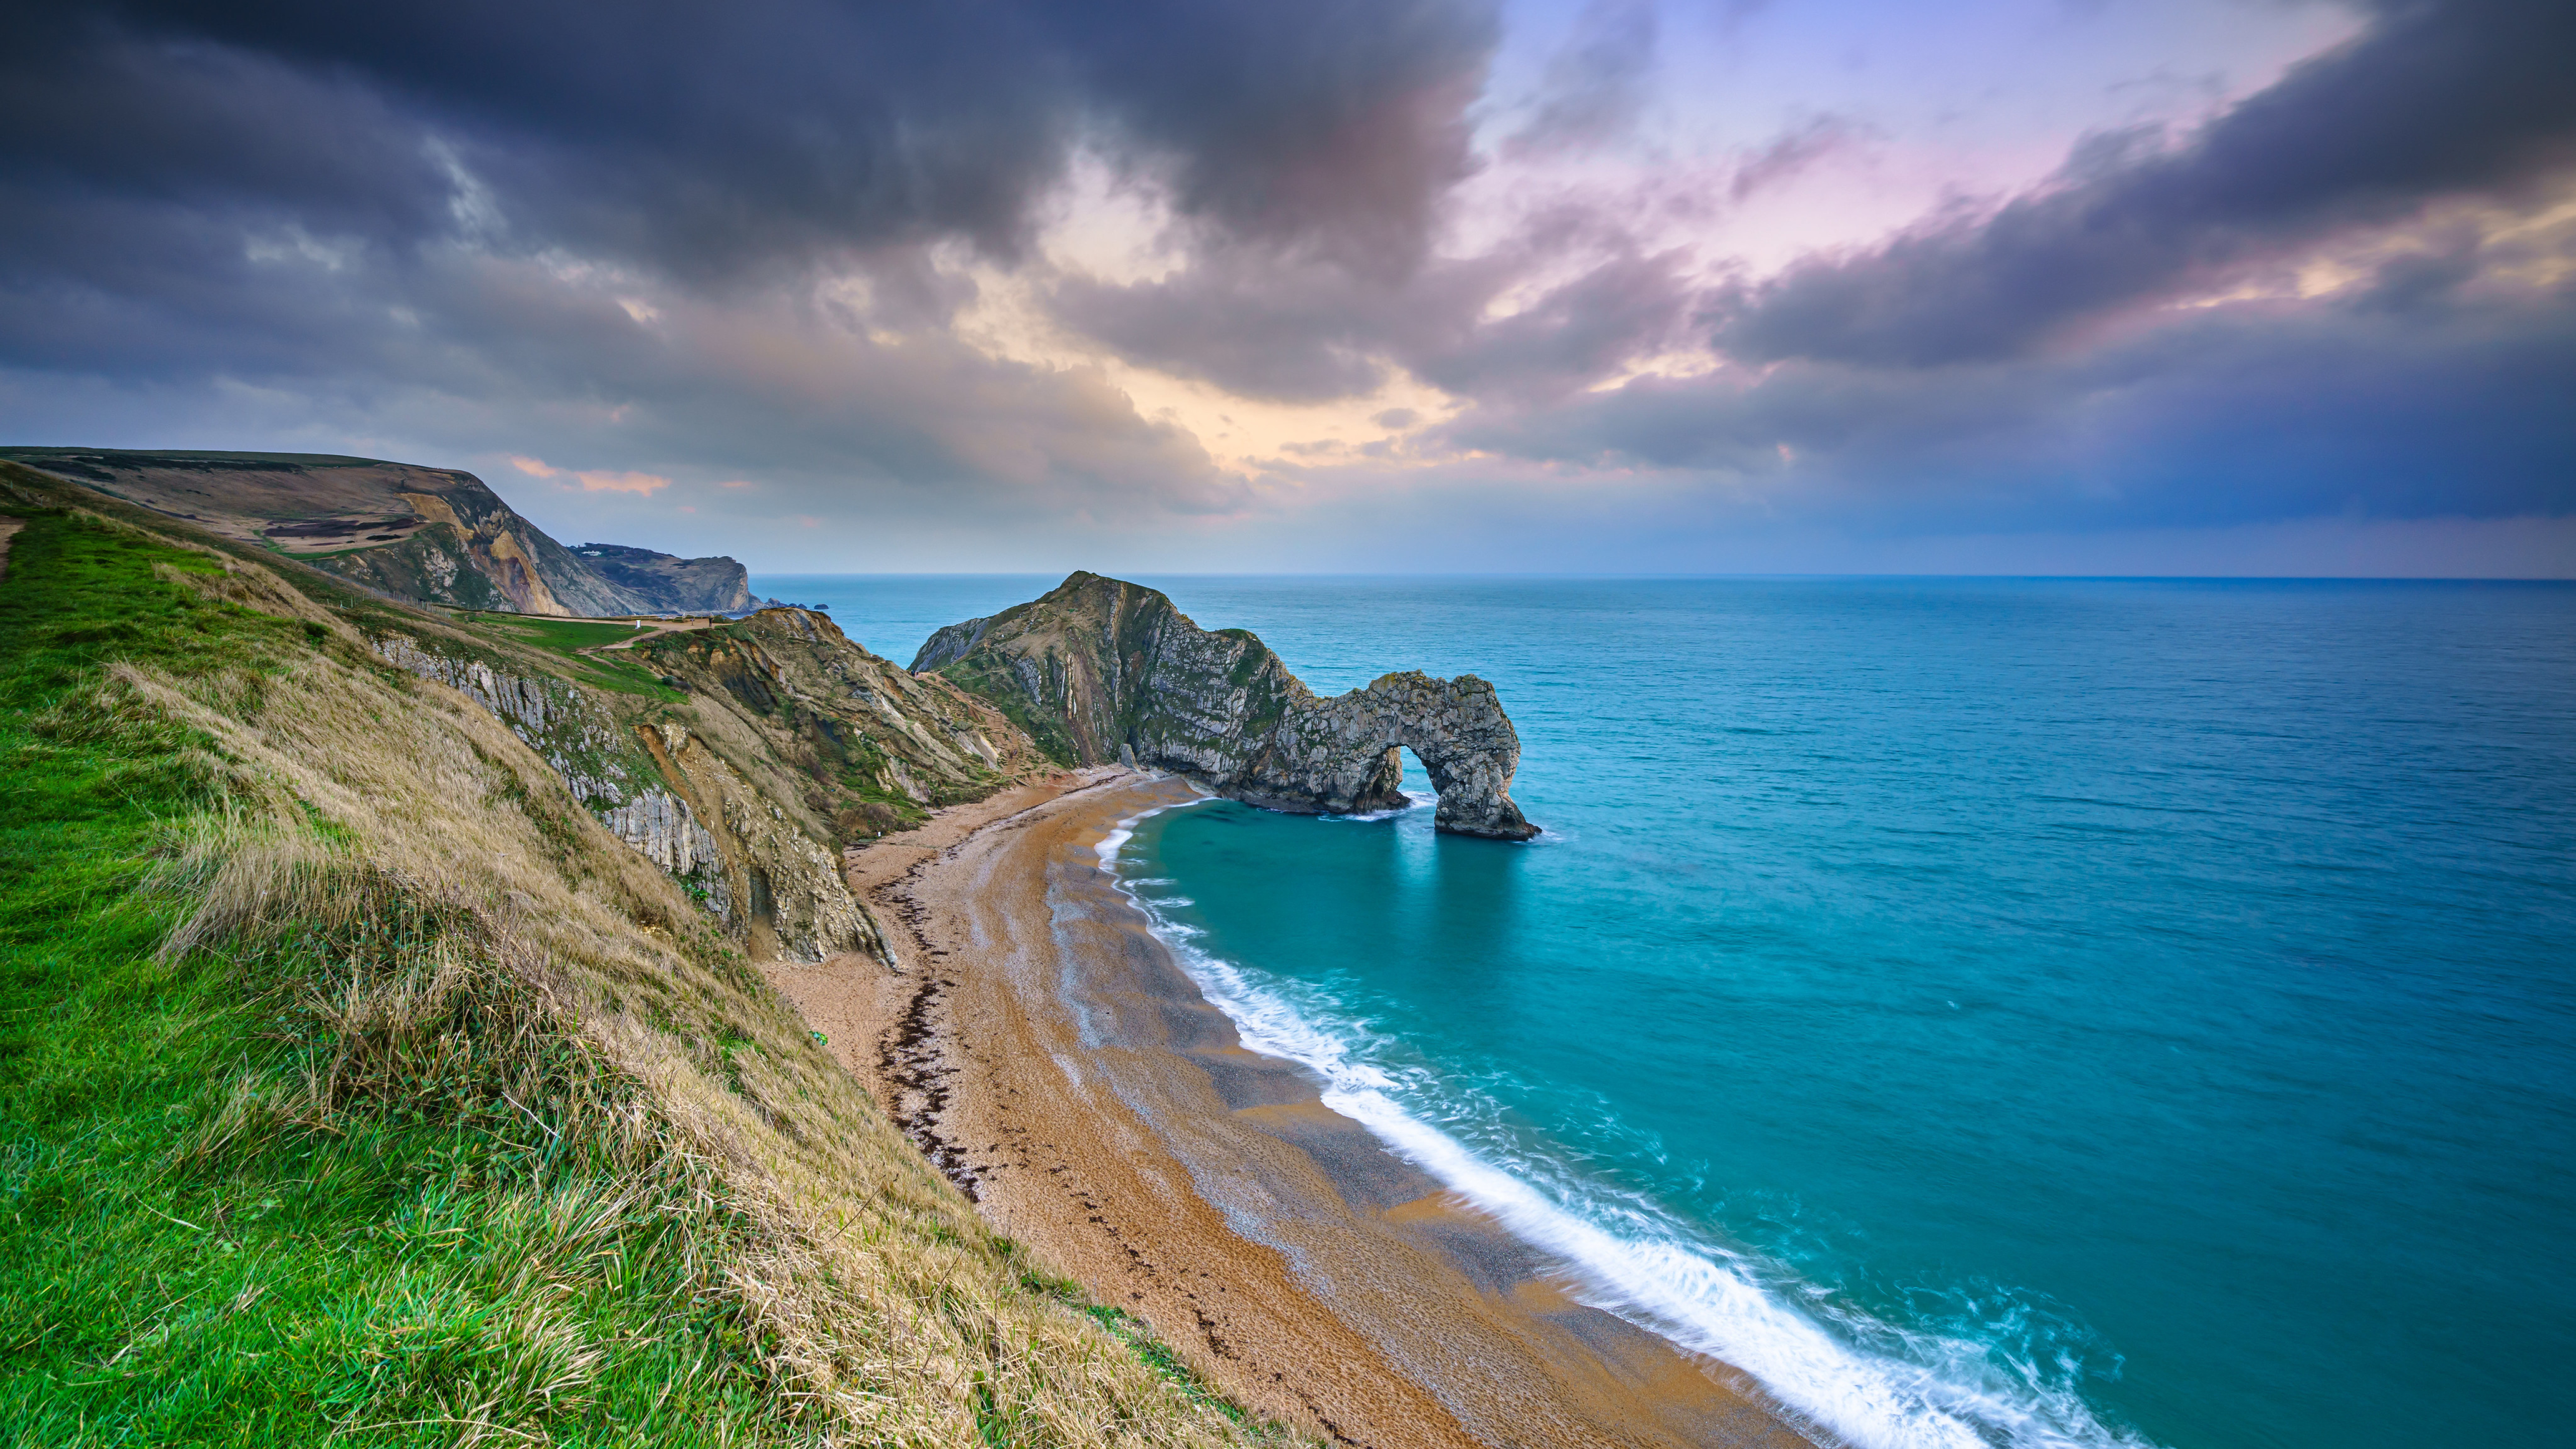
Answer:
(1046, 1052)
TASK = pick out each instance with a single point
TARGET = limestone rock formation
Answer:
(574, 732)
(793, 901)
(601, 762)
(1099, 671)
(665, 831)
(843, 713)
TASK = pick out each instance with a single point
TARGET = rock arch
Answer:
(1099, 671)
(1340, 755)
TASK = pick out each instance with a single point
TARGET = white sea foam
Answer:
(1413, 800)
(1869, 1383)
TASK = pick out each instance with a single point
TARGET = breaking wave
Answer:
(1863, 1381)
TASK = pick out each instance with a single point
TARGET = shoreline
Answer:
(1046, 1052)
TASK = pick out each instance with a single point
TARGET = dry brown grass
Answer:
(254, 588)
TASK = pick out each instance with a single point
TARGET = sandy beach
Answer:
(1046, 1052)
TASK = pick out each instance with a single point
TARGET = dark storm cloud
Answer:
(469, 210)
(2033, 367)
(703, 138)
(494, 355)
(1287, 330)
(2434, 99)
(722, 240)
(87, 109)
(1568, 336)
(1336, 124)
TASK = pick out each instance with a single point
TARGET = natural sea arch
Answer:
(1342, 754)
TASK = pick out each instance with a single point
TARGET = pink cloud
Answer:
(735, 483)
(603, 482)
(595, 480)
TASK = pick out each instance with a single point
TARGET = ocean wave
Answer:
(1867, 1382)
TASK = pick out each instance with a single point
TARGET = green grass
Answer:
(229, 1215)
(1157, 1355)
(566, 638)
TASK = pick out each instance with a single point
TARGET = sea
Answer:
(1990, 1012)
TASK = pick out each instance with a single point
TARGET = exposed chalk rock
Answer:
(664, 830)
(790, 885)
(579, 737)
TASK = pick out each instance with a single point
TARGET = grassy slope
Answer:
(409, 1265)
(446, 1122)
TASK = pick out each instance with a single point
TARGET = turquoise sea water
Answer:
(1993, 1012)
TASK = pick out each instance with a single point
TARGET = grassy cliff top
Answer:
(144, 456)
(356, 1085)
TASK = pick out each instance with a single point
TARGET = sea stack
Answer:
(1099, 671)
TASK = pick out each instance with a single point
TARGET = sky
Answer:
(1588, 286)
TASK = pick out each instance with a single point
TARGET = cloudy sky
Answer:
(2159, 286)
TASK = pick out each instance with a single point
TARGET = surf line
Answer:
(1942, 1394)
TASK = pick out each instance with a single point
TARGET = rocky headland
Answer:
(1099, 671)
(690, 585)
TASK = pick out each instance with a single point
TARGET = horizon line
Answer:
(1690, 577)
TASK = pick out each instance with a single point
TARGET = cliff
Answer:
(426, 535)
(873, 741)
(739, 758)
(1099, 671)
(685, 585)
(380, 996)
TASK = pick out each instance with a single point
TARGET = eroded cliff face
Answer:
(792, 899)
(1099, 671)
(781, 743)
(860, 731)
(569, 726)
(662, 828)
(601, 757)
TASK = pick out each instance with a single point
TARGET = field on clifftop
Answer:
(356, 1085)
